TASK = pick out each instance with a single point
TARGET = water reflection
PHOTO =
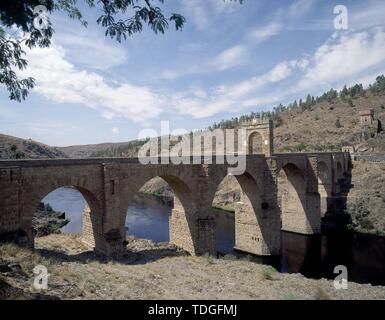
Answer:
(70, 201)
(147, 218)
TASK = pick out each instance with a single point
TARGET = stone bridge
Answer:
(290, 191)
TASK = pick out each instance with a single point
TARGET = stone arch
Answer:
(255, 143)
(254, 219)
(292, 199)
(265, 129)
(182, 224)
(92, 234)
(324, 186)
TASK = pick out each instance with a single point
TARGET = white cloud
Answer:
(232, 98)
(369, 14)
(348, 58)
(361, 15)
(264, 33)
(345, 57)
(279, 72)
(115, 130)
(231, 57)
(92, 52)
(61, 82)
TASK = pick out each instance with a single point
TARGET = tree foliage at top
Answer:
(119, 18)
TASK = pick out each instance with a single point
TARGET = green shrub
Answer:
(300, 147)
(268, 273)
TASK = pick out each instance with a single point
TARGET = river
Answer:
(314, 256)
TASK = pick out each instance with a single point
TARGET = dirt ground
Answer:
(155, 271)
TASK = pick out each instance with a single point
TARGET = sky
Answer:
(230, 59)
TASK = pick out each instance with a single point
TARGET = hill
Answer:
(17, 148)
(120, 149)
(330, 126)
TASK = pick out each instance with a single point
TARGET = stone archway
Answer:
(257, 228)
(255, 143)
(292, 196)
(183, 224)
(261, 145)
(183, 229)
(92, 234)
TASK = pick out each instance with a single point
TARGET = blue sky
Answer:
(230, 59)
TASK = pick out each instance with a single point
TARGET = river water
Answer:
(314, 256)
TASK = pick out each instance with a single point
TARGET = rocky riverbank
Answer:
(155, 271)
(47, 221)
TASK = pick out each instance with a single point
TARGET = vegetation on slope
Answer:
(128, 150)
(104, 150)
(16, 148)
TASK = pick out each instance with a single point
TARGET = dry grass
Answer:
(81, 275)
(320, 294)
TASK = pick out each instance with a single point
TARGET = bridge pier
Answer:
(257, 235)
(110, 244)
(191, 233)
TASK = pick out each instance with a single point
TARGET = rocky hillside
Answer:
(366, 200)
(16, 148)
(329, 126)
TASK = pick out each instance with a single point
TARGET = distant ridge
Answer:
(17, 148)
